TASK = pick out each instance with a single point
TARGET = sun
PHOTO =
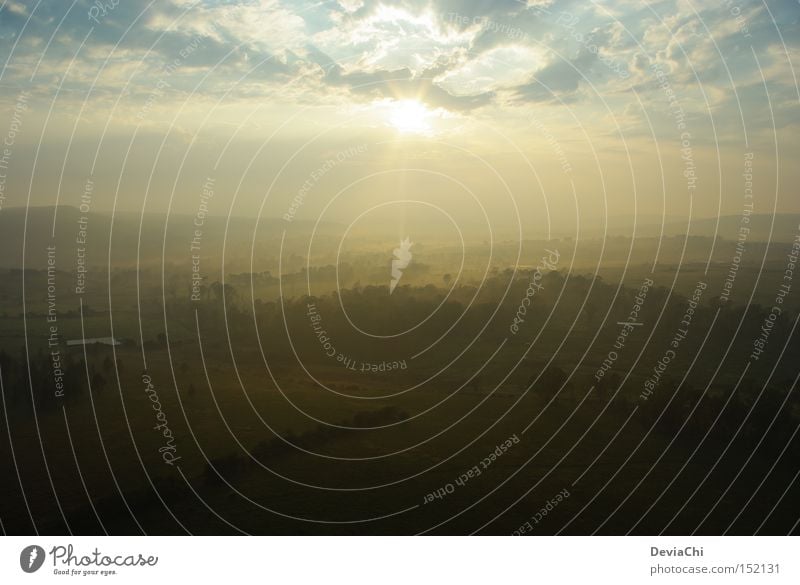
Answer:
(409, 117)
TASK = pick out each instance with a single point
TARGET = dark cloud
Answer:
(398, 84)
(561, 79)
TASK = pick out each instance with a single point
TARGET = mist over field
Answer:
(415, 267)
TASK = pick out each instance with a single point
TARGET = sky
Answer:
(504, 113)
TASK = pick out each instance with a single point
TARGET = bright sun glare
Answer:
(409, 117)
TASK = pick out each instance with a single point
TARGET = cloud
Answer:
(399, 84)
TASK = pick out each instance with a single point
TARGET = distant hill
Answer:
(763, 228)
(158, 238)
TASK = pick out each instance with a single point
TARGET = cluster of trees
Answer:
(230, 466)
(31, 380)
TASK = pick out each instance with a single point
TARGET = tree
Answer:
(98, 382)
